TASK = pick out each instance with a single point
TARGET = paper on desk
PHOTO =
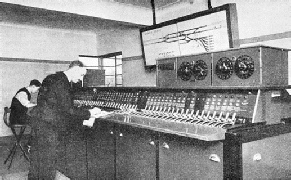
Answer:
(102, 114)
(89, 122)
(289, 91)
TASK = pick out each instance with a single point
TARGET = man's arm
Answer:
(65, 103)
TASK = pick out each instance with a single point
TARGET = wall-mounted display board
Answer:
(205, 31)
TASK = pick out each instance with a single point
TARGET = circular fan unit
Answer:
(184, 71)
(224, 68)
(244, 66)
(200, 70)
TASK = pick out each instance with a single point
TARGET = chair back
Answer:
(6, 115)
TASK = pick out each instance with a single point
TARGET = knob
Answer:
(257, 157)
(214, 157)
(166, 146)
(152, 143)
(120, 134)
(111, 132)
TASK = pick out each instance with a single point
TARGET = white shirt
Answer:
(23, 99)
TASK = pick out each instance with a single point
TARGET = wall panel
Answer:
(32, 42)
(17, 73)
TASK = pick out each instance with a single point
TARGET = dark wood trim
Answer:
(33, 60)
(232, 158)
(154, 11)
(259, 132)
(266, 38)
(209, 4)
(105, 55)
(232, 26)
(133, 58)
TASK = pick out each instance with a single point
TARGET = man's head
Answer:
(34, 85)
(76, 71)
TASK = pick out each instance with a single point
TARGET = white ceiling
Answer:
(131, 11)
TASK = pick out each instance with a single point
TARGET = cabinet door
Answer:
(76, 153)
(188, 158)
(101, 151)
(135, 153)
(267, 158)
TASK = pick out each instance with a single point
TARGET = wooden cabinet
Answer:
(188, 158)
(120, 152)
(76, 160)
(115, 151)
(135, 153)
(101, 151)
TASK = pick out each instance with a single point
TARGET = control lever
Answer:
(226, 117)
(195, 117)
(185, 116)
(214, 120)
(207, 120)
(233, 118)
(200, 118)
(189, 116)
(219, 117)
(179, 115)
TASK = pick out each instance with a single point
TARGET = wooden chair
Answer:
(17, 130)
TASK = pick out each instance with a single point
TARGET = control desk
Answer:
(238, 98)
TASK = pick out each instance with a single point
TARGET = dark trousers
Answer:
(47, 152)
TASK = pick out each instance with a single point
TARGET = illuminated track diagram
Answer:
(189, 35)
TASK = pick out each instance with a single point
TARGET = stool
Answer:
(18, 136)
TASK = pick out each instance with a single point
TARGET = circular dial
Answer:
(200, 70)
(244, 66)
(224, 68)
(184, 71)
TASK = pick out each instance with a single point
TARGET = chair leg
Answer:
(11, 152)
(24, 153)
(17, 144)
(12, 157)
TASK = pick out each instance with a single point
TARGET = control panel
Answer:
(205, 114)
(204, 95)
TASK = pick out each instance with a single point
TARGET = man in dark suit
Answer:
(53, 116)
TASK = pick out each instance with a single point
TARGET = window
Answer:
(111, 64)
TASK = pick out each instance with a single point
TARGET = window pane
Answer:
(109, 81)
(94, 67)
(108, 61)
(109, 71)
(118, 61)
(118, 70)
(119, 79)
(89, 61)
(112, 65)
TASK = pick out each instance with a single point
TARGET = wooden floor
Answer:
(19, 167)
